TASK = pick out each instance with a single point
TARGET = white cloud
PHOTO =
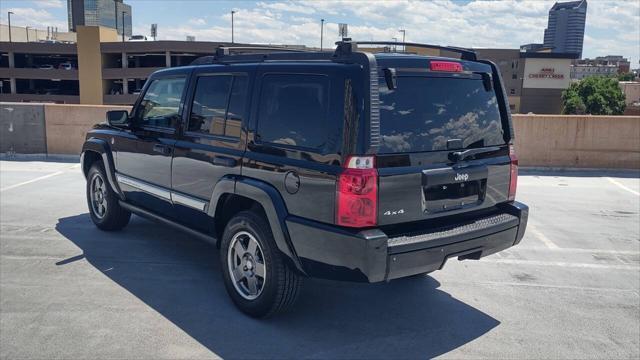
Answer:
(197, 21)
(31, 16)
(612, 26)
(51, 3)
(287, 7)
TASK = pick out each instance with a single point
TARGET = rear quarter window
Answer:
(294, 112)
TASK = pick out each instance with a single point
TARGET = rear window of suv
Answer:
(423, 112)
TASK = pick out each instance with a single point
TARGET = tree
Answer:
(626, 77)
(595, 96)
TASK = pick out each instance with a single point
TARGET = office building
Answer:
(565, 29)
(112, 14)
(623, 64)
(533, 81)
(610, 65)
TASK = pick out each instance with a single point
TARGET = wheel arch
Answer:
(95, 149)
(232, 195)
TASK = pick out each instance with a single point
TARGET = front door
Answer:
(143, 155)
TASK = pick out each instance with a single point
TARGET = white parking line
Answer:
(549, 286)
(31, 181)
(621, 186)
(562, 264)
(550, 244)
(574, 250)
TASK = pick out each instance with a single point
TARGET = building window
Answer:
(512, 91)
(514, 76)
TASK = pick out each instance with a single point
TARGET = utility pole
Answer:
(404, 32)
(321, 32)
(9, 20)
(232, 12)
(27, 29)
(395, 47)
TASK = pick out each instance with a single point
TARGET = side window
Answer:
(294, 110)
(210, 104)
(216, 110)
(161, 103)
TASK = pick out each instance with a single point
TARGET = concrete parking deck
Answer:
(68, 290)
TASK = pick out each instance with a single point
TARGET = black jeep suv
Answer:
(343, 165)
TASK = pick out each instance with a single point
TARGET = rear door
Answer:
(212, 142)
(443, 144)
(144, 152)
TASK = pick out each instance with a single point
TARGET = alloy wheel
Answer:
(246, 264)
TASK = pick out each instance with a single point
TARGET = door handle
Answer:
(224, 161)
(162, 149)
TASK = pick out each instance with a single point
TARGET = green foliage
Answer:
(626, 77)
(595, 96)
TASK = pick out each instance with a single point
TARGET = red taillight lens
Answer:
(357, 193)
(513, 183)
(450, 66)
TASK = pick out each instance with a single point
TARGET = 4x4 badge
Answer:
(396, 212)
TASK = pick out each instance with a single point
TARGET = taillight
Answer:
(357, 193)
(450, 66)
(513, 183)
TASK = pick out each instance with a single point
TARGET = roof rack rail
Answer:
(229, 54)
(347, 46)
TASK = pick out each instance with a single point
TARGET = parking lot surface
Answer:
(67, 290)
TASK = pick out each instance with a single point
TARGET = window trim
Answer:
(258, 138)
(147, 85)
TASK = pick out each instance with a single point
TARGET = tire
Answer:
(104, 209)
(278, 287)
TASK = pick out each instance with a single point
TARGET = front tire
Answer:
(104, 209)
(255, 275)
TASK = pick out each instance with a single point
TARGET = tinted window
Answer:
(422, 113)
(210, 104)
(215, 109)
(237, 106)
(294, 110)
(161, 103)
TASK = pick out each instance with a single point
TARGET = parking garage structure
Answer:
(98, 69)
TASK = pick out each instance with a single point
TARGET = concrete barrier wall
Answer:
(541, 140)
(22, 128)
(67, 125)
(578, 141)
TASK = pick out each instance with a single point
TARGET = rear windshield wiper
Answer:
(461, 155)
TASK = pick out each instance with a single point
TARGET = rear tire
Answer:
(104, 208)
(255, 274)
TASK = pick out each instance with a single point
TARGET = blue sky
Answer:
(613, 27)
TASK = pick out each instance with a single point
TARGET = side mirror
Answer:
(390, 78)
(118, 118)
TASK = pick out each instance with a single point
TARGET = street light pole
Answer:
(404, 32)
(115, 11)
(321, 32)
(27, 29)
(232, 12)
(395, 47)
(123, 26)
(9, 20)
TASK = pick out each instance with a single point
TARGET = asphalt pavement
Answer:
(571, 289)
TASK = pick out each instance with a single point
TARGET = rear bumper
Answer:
(371, 255)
